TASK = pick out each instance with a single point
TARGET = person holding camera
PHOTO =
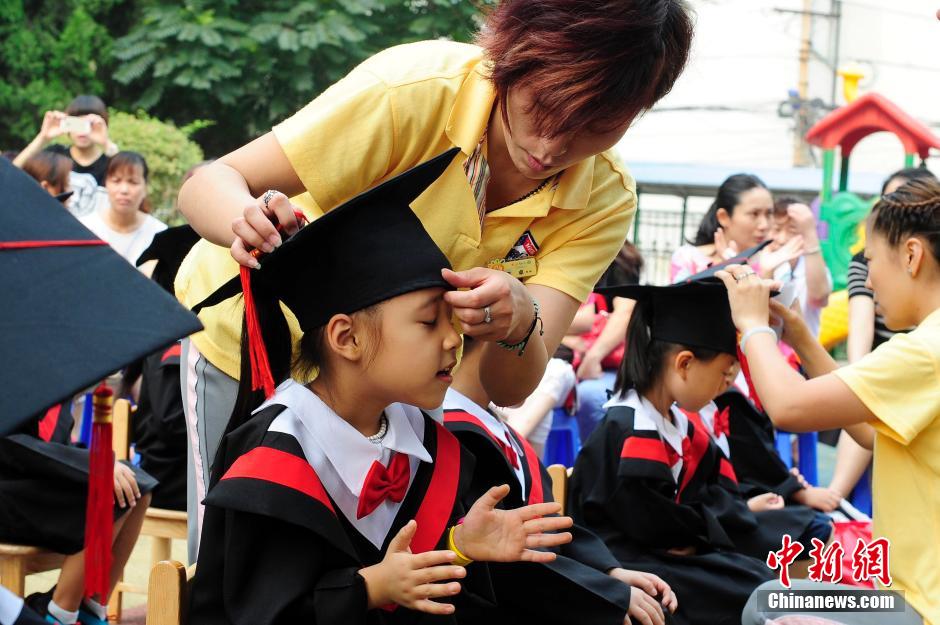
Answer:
(85, 120)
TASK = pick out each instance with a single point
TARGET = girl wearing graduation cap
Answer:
(341, 500)
(535, 108)
(889, 400)
(649, 481)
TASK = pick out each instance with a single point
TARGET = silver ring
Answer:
(267, 197)
(744, 276)
(487, 318)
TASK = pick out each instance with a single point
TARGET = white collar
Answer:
(455, 399)
(351, 453)
(646, 417)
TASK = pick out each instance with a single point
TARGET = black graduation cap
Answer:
(169, 248)
(368, 250)
(74, 311)
(695, 313)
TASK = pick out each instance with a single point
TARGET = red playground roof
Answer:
(869, 114)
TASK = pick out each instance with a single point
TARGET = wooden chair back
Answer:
(559, 475)
(168, 593)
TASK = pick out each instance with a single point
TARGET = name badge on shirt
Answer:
(520, 260)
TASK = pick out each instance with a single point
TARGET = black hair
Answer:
(781, 204)
(911, 211)
(86, 105)
(645, 357)
(908, 174)
(626, 266)
(728, 196)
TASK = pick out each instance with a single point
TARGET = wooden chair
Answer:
(168, 593)
(161, 525)
(559, 475)
(18, 561)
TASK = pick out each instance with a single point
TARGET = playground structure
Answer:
(842, 213)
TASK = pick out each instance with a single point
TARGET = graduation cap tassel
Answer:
(261, 377)
(99, 517)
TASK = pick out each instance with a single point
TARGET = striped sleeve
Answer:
(858, 276)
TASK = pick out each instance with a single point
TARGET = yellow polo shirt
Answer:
(900, 383)
(398, 109)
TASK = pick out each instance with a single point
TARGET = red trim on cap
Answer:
(438, 504)
(175, 350)
(725, 469)
(279, 467)
(28, 245)
(636, 448)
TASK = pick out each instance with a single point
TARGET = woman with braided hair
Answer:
(889, 400)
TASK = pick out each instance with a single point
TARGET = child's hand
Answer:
(789, 251)
(822, 499)
(652, 585)
(800, 478)
(412, 580)
(767, 501)
(643, 609)
(510, 535)
(126, 491)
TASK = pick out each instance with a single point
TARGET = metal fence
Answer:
(662, 224)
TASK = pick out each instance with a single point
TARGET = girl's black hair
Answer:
(645, 357)
(728, 196)
(908, 174)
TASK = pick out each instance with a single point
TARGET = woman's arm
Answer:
(227, 190)
(861, 326)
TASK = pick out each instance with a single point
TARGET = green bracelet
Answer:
(521, 345)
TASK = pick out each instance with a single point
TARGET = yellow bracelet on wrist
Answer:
(461, 559)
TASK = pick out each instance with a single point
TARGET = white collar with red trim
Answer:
(646, 417)
(455, 400)
(708, 419)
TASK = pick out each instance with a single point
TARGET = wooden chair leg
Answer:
(115, 602)
(159, 549)
(13, 575)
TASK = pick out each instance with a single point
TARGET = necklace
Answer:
(376, 438)
(541, 186)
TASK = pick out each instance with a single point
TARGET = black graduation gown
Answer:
(709, 464)
(623, 489)
(275, 550)
(580, 571)
(160, 427)
(44, 485)
(753, 454)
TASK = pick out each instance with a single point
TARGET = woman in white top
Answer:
(126, 223)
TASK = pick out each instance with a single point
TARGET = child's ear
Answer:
(682, 362)
(341, 337)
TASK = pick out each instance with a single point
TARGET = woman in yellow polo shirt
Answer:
(535, 108)
(889, 400)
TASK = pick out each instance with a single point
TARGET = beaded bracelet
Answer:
(536, 321)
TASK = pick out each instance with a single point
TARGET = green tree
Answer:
(50, 52)
(248, 64)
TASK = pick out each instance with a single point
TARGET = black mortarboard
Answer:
(169, 248)
(693, 313)
(739, 259)
(368, 250)
(73, 312)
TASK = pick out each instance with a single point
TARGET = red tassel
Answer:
(99, 516)
(260, 367)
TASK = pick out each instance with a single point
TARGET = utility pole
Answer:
(801, 156)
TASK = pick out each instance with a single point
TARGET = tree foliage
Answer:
(249, 64)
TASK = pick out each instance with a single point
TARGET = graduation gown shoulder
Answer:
(276, 550)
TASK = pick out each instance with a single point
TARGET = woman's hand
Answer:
(767, 501)
(51, 126)
(651, 584)
(126, 491)
(99, 130)
(795, 330)
(590, 368)
(412, 580)
(510, 306)
(748, 295)
(822, 499)
(257, 227)
(769, 259)
(510, 535)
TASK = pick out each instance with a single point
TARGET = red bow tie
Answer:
(721, 422)
(509, 452)
(674, 457)
(382, 484)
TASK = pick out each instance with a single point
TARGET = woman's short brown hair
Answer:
(49, 167)
(593, 64)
